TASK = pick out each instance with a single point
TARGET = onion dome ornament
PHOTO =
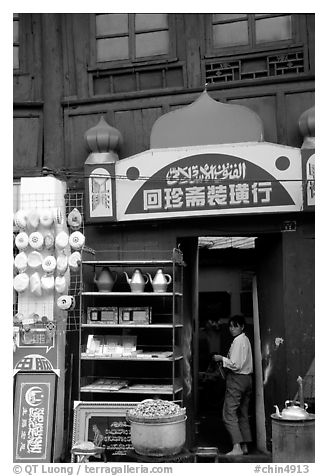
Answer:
(103, 142)
(306, 124)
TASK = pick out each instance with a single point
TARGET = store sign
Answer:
(33, 417)
(209, 183)
(34, 363)
(256, 178)
(308, 165)
(100, 192)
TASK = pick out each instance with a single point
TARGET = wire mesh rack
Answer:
(74, 199)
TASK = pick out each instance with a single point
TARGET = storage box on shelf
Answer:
(131, 325)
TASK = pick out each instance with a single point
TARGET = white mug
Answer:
(66, 302)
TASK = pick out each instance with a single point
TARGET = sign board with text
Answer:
(209, 180)
(308, 165)
(33, 417)
(104, 424)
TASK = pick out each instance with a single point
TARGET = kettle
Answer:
(137, 281)
(160, 281)
(106, 280)
(294, 410)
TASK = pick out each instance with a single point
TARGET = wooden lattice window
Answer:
(16, 40)
(244, 31)
(132, 36)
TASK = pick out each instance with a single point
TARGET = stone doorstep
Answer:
(212, 453)
(256, 457)
(208, 452)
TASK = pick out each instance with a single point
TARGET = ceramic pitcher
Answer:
(160, 281)
(106, 280)
(137, 281)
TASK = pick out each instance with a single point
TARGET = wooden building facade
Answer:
(71, 69)
(60, 89)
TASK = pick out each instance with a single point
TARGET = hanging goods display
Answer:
(61, 240)
(48, 240)
(62, 263)
(57, 216)
(76, 240)
(36, 240)
(74, 260)
(33, 218)
(74, 219)
(21, 282)
(21, 241)
(47, 282)
(49, 264)
(20, 262)
(66, 302)
(60, 284)
(20, 219)
(35, 284)
(46, 217)
(34, 259)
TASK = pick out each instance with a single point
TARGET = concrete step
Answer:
(253, 457)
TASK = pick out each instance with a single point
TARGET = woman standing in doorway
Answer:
(239, 366)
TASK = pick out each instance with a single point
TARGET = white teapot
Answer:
(160, 281)
(137, 281)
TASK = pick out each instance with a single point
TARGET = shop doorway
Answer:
(226, 280)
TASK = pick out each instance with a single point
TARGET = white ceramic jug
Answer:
(137, 281)
(160, 281)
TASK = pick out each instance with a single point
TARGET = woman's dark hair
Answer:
(237, 320)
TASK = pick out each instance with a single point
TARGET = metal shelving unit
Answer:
(157, 365)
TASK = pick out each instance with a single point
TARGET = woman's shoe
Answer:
(244, 449)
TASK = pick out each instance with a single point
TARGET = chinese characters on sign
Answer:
(215, 183)
(192, 187)
(100, 192)
(308, 166)
(34, 399)
(209, 196)
(32, 431)
(310, 176)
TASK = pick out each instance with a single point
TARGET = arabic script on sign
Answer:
(198, 173)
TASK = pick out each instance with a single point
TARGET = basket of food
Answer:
(158, 427)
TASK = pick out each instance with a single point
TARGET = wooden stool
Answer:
(206, 452)
(82, 456)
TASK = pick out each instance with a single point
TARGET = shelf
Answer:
(129, 293)
(132, 326)
(129, 262)
(85, 356)
(164, 309)
(149, 391)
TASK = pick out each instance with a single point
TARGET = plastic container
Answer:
(164, 436)
(293, 440)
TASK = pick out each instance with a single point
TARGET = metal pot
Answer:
(293, 411)
(164, 436)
